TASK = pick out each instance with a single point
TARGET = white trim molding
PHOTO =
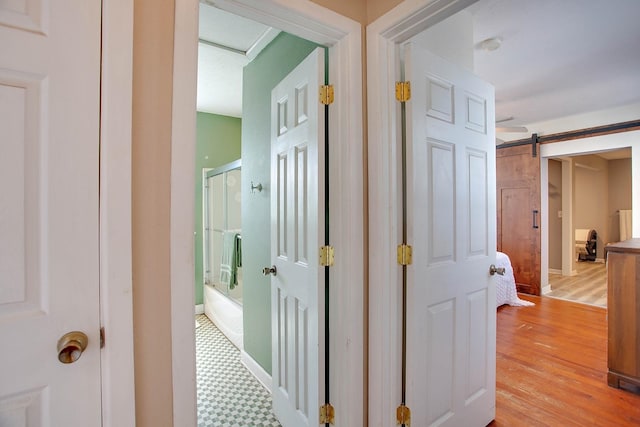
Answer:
(256, 370)
(383, 69)
(116, 309)
(313, 22)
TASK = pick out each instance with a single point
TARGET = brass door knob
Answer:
(71, 345)
(269, 270)
(493, 270)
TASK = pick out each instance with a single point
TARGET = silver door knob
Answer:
(493, 270)
(269, 270)
(71, 345)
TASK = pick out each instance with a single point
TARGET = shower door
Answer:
(221, 214)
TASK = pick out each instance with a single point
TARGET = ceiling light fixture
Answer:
(490, 44)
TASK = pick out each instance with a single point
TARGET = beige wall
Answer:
(591, 187)
(354, 9)
(377, 8)
(555, 223)
(151, 158)
(619, 194)
(362, 11)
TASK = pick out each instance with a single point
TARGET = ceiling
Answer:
(227, 43)
(557, 58)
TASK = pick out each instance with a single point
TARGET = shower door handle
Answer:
(269, 270)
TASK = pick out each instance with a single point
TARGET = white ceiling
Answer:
(227, 43)
(557, 58)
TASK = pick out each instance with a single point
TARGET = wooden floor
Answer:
(589, 286)
(552, 368)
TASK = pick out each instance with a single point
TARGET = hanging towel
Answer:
(625, 224)
(231, 258)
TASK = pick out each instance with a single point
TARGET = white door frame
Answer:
(383, 70)
(118, 388)
(308, 20)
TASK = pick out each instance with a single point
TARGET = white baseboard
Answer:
(261, 375)
(200, 309)
(545, 290)
(555, 271)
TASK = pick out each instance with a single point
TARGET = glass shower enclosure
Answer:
(222, 230)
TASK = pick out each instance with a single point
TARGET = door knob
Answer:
(493, 270)
(269, 270)
(71, 345)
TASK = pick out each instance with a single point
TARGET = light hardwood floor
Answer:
(552, 368)
(589, 286)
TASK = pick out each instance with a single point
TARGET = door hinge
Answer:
(326, 414)
(326, 94)
(102, 337)
(404, 254)
(403, 91)
(403, 415)
(326, 256)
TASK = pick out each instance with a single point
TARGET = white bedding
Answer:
(506, 285)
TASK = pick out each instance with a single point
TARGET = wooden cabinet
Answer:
(623, 301)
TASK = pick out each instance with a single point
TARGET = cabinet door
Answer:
(518, 204)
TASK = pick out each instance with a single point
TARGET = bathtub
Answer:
(225, 314)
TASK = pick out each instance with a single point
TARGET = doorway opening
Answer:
(589, 203)
(240, 62)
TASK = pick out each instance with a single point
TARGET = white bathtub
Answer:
(225, 314)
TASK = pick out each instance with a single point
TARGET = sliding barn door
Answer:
(451, 312)
(297, 299)
(518, 194)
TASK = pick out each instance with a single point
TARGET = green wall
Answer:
(260, 76)
(217, 143)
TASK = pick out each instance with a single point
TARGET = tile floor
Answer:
(228, 395)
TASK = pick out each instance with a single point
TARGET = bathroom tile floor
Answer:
(228, 395)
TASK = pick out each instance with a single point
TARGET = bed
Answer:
(506, 285)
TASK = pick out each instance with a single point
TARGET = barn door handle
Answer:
(535, 218)
(496, 270)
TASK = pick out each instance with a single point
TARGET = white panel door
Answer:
(49, 128)
(451, 314)
(297, 297)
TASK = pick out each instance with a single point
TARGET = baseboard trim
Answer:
(199, 308)
(555, 271)
(256, 370)
(545, 290)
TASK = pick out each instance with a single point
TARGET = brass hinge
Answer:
(404, 254)
(326, 94)
(326, 414)
(403, 415)
(102, 337)
(326, 256)
(403, 91)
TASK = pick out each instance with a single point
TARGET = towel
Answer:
(231, 258)
(625, 224)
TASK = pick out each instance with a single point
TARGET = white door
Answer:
(451, 312)
(49, 128)
(297, 299)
